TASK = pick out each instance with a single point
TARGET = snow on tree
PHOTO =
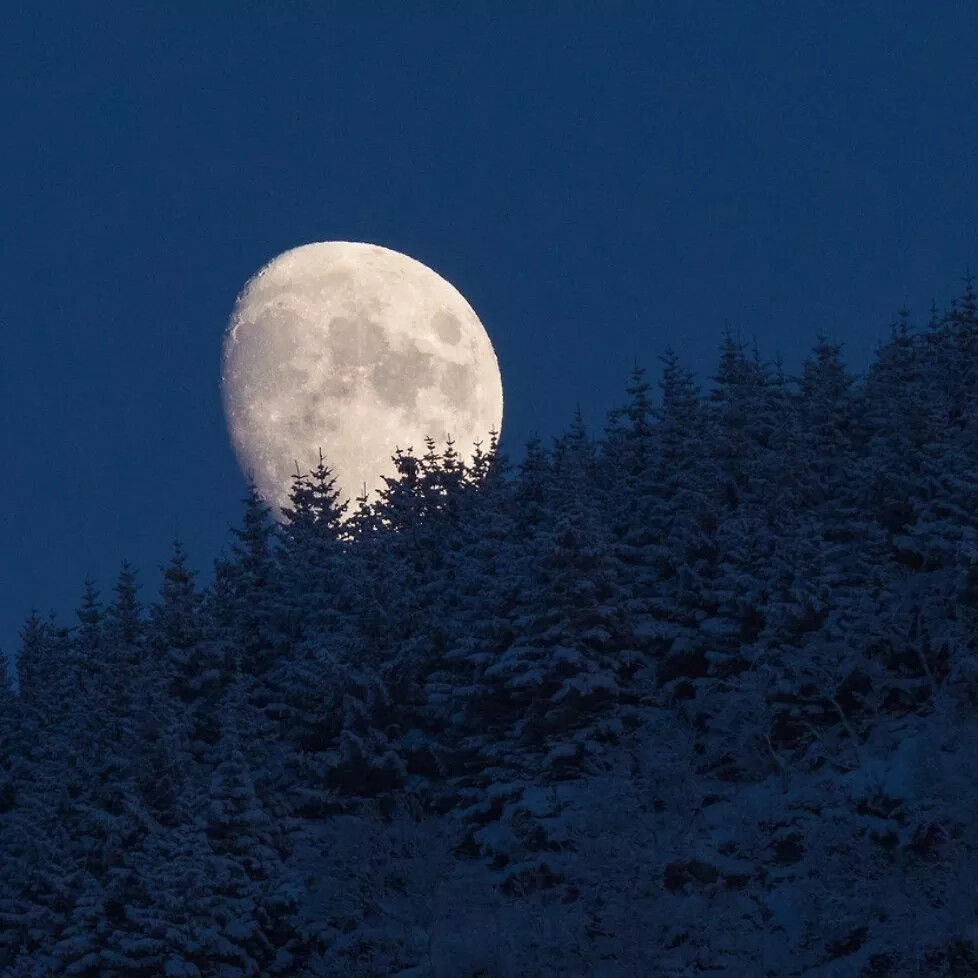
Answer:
(250, 624)
(255, 899)
(42, 668)
(176, 691)
(121, 656)
(10, 747)
(313, 549)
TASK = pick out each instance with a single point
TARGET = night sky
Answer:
(598, 187)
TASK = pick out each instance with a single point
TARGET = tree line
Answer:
(781, 565)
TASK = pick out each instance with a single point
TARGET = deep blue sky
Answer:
(598, 187)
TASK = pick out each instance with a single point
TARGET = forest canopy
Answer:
(696, 691)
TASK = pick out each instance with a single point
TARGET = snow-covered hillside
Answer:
(694, 695)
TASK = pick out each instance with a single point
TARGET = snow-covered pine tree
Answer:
(254, 577)
(944, 488)
(320, 597)
(314, 564)
(749, 423)
(43, 671)
(249, 618)
(59, 727)
(665, 546)
(627, 452)
(530, 489)
(827, 421)
(254, 900)
(492, 580)
(467, 625)
(88, 643)
(962, 363)
(11, 757)
(124, 636)
(428, 567)
(551, 689)
(175, 689)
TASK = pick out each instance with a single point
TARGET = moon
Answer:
(357, 350)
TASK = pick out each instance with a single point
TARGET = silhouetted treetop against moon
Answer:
(353, 349)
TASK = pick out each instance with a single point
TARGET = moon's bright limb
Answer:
(357, 350)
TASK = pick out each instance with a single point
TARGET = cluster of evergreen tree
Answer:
(780, 568)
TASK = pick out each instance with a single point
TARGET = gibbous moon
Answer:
(357, 350)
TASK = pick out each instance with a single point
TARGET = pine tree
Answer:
(574, 463)
(422, 512)
(827, 405)
(11, 759)
(175, 616)
(362, 762)
(532, 473)
(43, 669)
(558, 675)
(962, 365)
(104, 809)
(88, 641)
(923, 451)
(675, 528)
(628, 439)
(255, 591)
(468, 625)
(175, 693)
(180, 663)
(446, 481)
(124, 633)
(401, 502)
(40, 883)
(313, 558)
(896, 422)
(372, 582)
(321, 597)
(256, 900)
(741, 424)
